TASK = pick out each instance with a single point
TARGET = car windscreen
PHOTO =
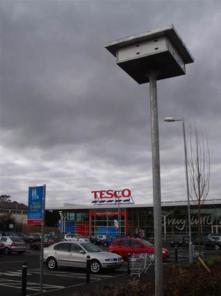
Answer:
(91, 247)
(147, 243)
(16, 239)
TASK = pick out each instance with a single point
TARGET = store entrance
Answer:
(112, 223)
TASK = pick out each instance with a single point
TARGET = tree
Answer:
(199, 172)
(5, 198)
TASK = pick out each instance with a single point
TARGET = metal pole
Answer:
(119, 222)
(165, 227)
(24, 279)
(42, 241)
(188, 195)
(176, 254)
(156, 185)
(64, 227)
(88, 269)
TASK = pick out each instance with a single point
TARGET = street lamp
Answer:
(149, 57)
(171, 119)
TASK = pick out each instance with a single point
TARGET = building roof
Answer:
(69, 206)
(12, 205)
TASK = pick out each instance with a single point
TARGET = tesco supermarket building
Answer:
(115, 213)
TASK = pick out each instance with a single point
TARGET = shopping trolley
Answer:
(139, 263)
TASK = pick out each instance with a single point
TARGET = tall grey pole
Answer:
(165, 227)
(188, 195)
(156, 185)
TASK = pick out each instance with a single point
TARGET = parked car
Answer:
(36, 245)
(179, 241)
(214, 237)
(213, 242)
(76, 237)
(128, 246)
(13, 244)
(31, 237)
(101, 240)
(74, 254)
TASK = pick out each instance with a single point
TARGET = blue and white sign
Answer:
(35, 204)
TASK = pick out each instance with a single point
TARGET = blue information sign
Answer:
(35, 204)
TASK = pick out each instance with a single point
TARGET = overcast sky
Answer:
(70, 118)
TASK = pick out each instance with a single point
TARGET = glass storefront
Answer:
(139, 220)
(75, 222)
(108, 222)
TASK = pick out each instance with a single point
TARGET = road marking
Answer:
(32, 286)
(69, 274)
(54, 273)
(13, 273)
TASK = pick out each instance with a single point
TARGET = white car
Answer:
(76, 237)
(214, 238)
(13, 244)
(74, 254)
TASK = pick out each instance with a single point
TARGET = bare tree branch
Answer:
(199, 171)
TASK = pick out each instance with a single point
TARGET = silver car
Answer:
(13, 244)
(74, 254)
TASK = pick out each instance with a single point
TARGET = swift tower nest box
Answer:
(160, 50)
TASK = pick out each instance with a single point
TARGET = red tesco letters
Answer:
(125, 193)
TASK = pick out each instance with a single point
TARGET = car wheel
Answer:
(216, 247)
(95, 266)
(51, 263)
(6, 251)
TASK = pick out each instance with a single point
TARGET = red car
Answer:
(127, 246)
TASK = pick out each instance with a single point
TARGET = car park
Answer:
(128, 246)
(74, 254)
(13, 244)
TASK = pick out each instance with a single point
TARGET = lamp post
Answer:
(149, 57)
(171, 119)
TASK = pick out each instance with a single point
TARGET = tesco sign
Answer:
(112, 196)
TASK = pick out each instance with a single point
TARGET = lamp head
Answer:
(169, 119)
(172, 119)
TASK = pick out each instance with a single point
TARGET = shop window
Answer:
(83, 216)
(69, 216)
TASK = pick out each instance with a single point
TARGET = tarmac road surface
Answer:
(11, 276)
